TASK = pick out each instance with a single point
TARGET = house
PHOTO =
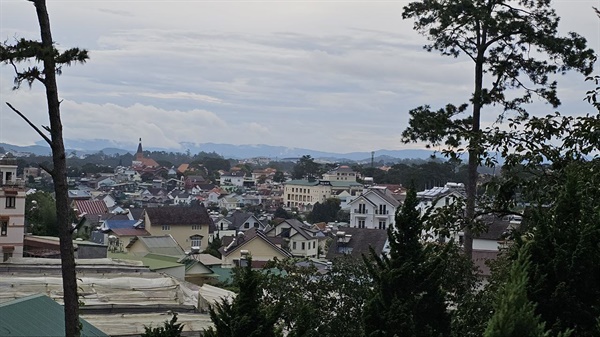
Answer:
(12, 209)
(303, 194)
(38, 315)
(239, 221)
(193, 181)
(180, 197)
(437, 197)
(80, 194)
(355, 242)
(342, 173)
(375, 208)
(487, 244)
(189, 226)
(254, 243)
(299, 239)
(230, 202)
(235, 178)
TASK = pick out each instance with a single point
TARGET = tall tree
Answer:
(514, 314)
(306, 168)
(326, 211)
(305, 293)
(51, 60)
(247, 315)
(498, 37)
(408, 298)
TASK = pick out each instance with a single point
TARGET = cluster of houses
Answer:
(135, 219)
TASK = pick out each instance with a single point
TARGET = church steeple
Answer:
(140, 153)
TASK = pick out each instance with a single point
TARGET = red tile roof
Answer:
(93, 207)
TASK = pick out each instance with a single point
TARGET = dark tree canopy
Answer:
(408, 298)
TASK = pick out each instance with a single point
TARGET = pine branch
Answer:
(31, 124)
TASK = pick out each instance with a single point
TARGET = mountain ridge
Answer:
(245, 151)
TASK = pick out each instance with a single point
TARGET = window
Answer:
(11, 202)
(381, 224)
(7, 256)
(196, 240)
(303, 246)
(196, 227)
(361, 223)
(3, 228)
(362, 209)
(314, 244)
(247, 225)
(166, 227)
(293, 244)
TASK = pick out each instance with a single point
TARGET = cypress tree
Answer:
(408, 299)
(247, 315)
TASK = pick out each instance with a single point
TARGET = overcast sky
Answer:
(336, 76)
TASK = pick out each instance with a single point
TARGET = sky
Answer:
(336, 76)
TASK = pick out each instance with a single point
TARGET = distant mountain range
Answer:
(82, 147)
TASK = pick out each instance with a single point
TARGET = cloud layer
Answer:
(329, 76)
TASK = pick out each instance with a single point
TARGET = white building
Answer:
(375, 208)
(12, 209)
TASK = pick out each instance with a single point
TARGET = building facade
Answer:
(12, 210)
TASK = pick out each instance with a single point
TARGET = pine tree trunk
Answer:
(59, 177)
(474, 154)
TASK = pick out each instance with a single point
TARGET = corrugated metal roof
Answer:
(37, 315)
(164, 245)
(91, 207)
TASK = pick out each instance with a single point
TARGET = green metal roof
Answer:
(38, 315)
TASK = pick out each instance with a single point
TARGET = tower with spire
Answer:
(140, 161)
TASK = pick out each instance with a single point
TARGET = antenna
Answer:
(372, 158)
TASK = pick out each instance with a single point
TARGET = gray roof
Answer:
(164, 245)
(38, 315)
(360, 241)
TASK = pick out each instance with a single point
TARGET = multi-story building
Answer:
(190, 226)
(12, 209)
(375, 208)
(342, 173)
(303, 194)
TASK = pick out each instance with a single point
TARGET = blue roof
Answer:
(120, 224)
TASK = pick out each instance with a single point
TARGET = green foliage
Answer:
(213, 247)
(169, 329)
(498, 36)
(514, 314)
(325, 212)
(248, 315)
(409, 298)
(279, 177)
(552, 164)
(33, 51)
(282, 213)
(40, 214)
(306, 168)
(305, 294)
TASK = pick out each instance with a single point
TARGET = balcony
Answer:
(13, 184)
(382, 212)
(361, 211)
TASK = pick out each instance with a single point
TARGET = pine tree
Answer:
(247, 315)
(408, 299)
(514, 314)
(45, 61)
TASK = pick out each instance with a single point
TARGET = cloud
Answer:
(335, 76)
